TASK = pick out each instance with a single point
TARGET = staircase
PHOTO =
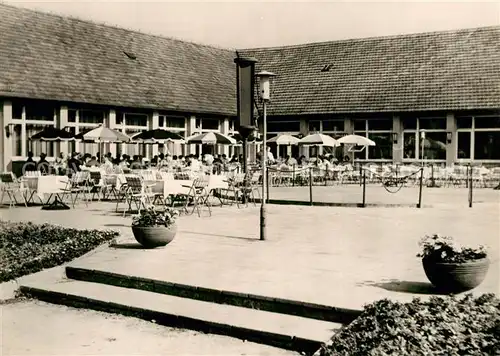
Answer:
(288, 324)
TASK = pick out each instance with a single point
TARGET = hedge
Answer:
(26, 248)
(448, 326)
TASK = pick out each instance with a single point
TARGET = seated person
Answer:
(29, 165)
(92, 162)
(291, 161)
(43, 165)
(74, 163)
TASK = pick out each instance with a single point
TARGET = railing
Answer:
(331, 184)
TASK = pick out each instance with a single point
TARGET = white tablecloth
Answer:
(45, 185)
(178, 186)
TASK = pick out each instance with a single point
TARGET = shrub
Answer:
(27, 248)
(442, 326)
(444, 249)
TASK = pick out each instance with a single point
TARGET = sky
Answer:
(238, 24)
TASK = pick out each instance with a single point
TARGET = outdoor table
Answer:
(53, 186)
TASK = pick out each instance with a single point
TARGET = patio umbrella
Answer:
(211, 138)
(356, 140)
(103, 134)
(53, 134)
(318, 140)
(284, 140)
(157, 136)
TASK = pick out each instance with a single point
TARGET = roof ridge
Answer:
(96, 23)
(373, 38)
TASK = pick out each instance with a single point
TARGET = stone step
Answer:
(253, 301)
(285, 331)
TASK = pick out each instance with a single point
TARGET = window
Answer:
(17, 140)
(486, 144)
(177, 122)
(435, 138)
(380, 125)
(37, 146)
(383, 148)
(434, 146)
(119, 118)
(359, 125)
(314, 126)
(333, 125)
(432, 123)
(409, 145)
(464, 145)
(478, 137)
(378, 130)
(209, 124)
(283, 126)
(409, 123)
(492, 122)
(39, 110)
(136, 119)
(464, 122)
(71, 115)
(91, 116)
(17, 111)
(71, 144)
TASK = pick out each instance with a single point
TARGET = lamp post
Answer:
(265, 95)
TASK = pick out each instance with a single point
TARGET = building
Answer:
(391, 89)
(76, 74)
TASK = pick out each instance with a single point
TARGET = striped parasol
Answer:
(318, 140)
(157, 136)
(211, 138)
(53, 134)
(103, 134)
(284, 139)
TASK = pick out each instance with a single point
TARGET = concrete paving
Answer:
(40, 329)
(343, 257)
(378, 195)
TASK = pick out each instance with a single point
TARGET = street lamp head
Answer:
(265, 84)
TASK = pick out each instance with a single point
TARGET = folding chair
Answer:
(11, 185)
(137, 192)
(109, 183)
(95, 185)
(198, 195)
(78, 184)
(30, 182)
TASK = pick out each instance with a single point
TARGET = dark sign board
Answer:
(245, 80)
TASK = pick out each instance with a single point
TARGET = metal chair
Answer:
(198, 195)
(11, 185)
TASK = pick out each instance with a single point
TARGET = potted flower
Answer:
(452, 268)
(153, 228)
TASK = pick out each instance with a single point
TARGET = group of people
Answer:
(75, 162)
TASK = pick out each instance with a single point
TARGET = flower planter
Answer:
(154, 236)
(456, 277)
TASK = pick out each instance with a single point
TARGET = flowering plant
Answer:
(151, 217)
(444, 249)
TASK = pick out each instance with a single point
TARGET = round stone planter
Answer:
(456, 277)
(154, 236)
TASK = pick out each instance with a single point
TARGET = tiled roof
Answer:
(431, 71)
(52, 57)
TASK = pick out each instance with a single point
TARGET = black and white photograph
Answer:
(235, 178)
